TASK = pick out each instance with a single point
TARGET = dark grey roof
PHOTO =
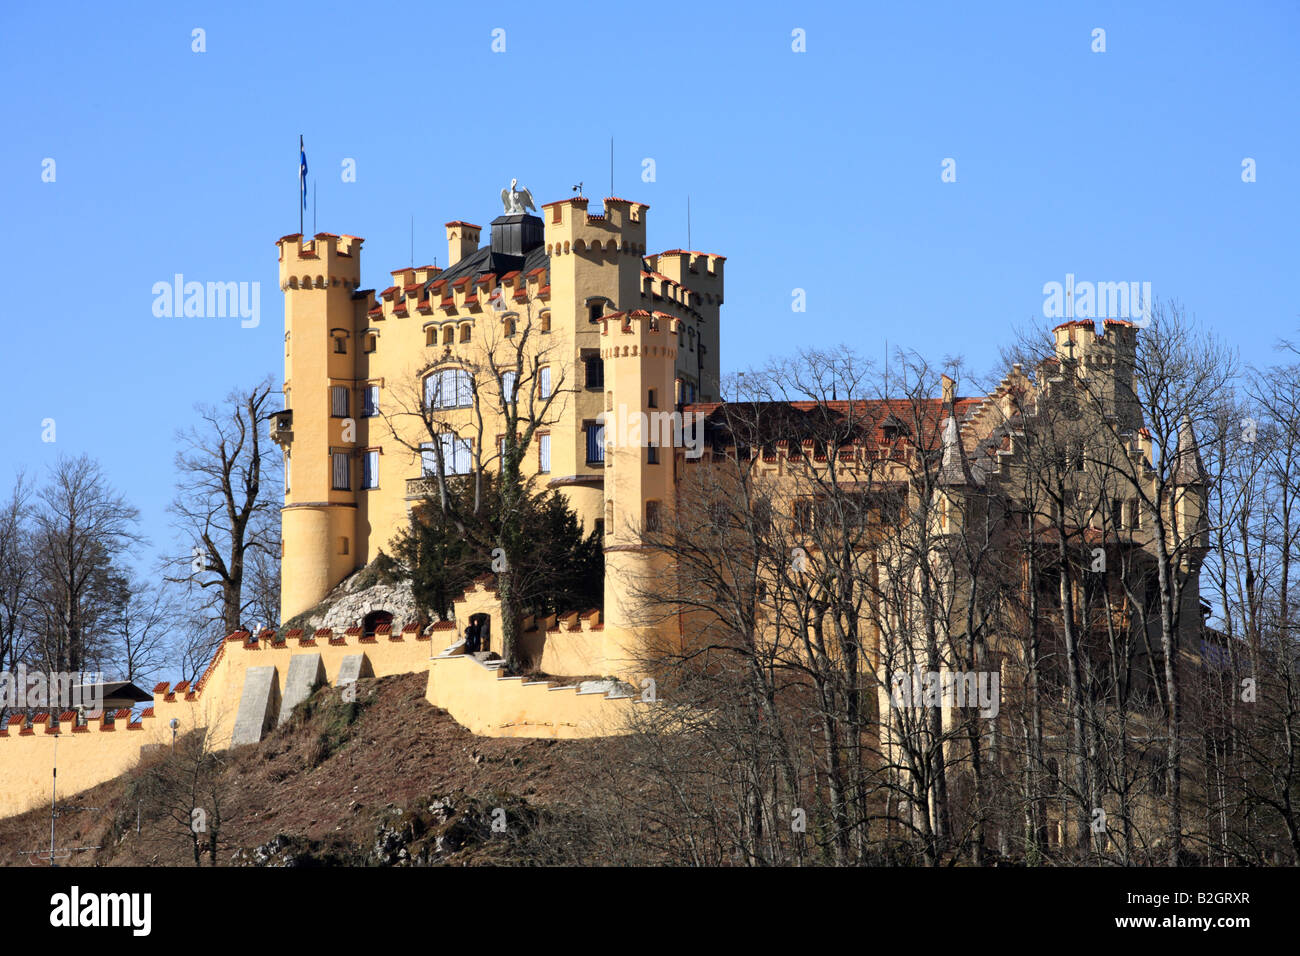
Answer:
(485, 260)
(121, 690)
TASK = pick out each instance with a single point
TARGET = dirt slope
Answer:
(387, 780)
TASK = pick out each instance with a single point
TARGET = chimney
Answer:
(462, 240)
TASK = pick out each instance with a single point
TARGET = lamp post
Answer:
(173, 724)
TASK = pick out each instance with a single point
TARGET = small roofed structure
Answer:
(116, 695)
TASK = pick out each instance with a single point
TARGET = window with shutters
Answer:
(339, 401)
(457, 455)
(370, 401)
(449, 388)
(342, 479)
(595, 442)
(370, 470)
(544, 453)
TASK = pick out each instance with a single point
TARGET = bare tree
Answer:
(83, 528)
(18, 574)
(226, 504)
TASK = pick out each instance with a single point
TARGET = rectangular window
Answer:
(595, 366)
(803, 511)
(543, 453)
(544, 382)
(287, 463)
(340, 345)
(595, 443)
(370, 470)
(652, 516)
(341, 472)
(339, 401)
(652, 400)
(508, 380)
(652, 454)
(450, 388)
(457, 456)
(370, 401)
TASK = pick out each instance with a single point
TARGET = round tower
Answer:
(640, 351)
(318, 429)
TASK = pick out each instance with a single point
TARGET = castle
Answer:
(611, 326)
(569, 311)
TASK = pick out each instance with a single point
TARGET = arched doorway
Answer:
(374, 621)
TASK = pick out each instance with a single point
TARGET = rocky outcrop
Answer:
(355, 597)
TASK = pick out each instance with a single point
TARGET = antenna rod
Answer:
(611, 165)
(688, 223)
(313, 207)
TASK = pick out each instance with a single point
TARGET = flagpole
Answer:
(301, 198)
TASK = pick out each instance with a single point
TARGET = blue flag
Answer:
(302, 172)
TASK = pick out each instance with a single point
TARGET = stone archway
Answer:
(375, 620)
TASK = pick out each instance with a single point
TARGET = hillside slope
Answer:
(385, 780)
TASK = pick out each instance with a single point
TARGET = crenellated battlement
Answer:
(1080, 340)
(639, 333)
(698, 272)
(621, 229)
(466, 297)
(317, 263)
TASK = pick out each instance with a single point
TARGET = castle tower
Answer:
(595, 269)
(640, 352)
(318, 429)
(1106, 362)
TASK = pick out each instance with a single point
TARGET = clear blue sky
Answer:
(816, 170)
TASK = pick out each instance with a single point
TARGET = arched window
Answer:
(375, 620)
